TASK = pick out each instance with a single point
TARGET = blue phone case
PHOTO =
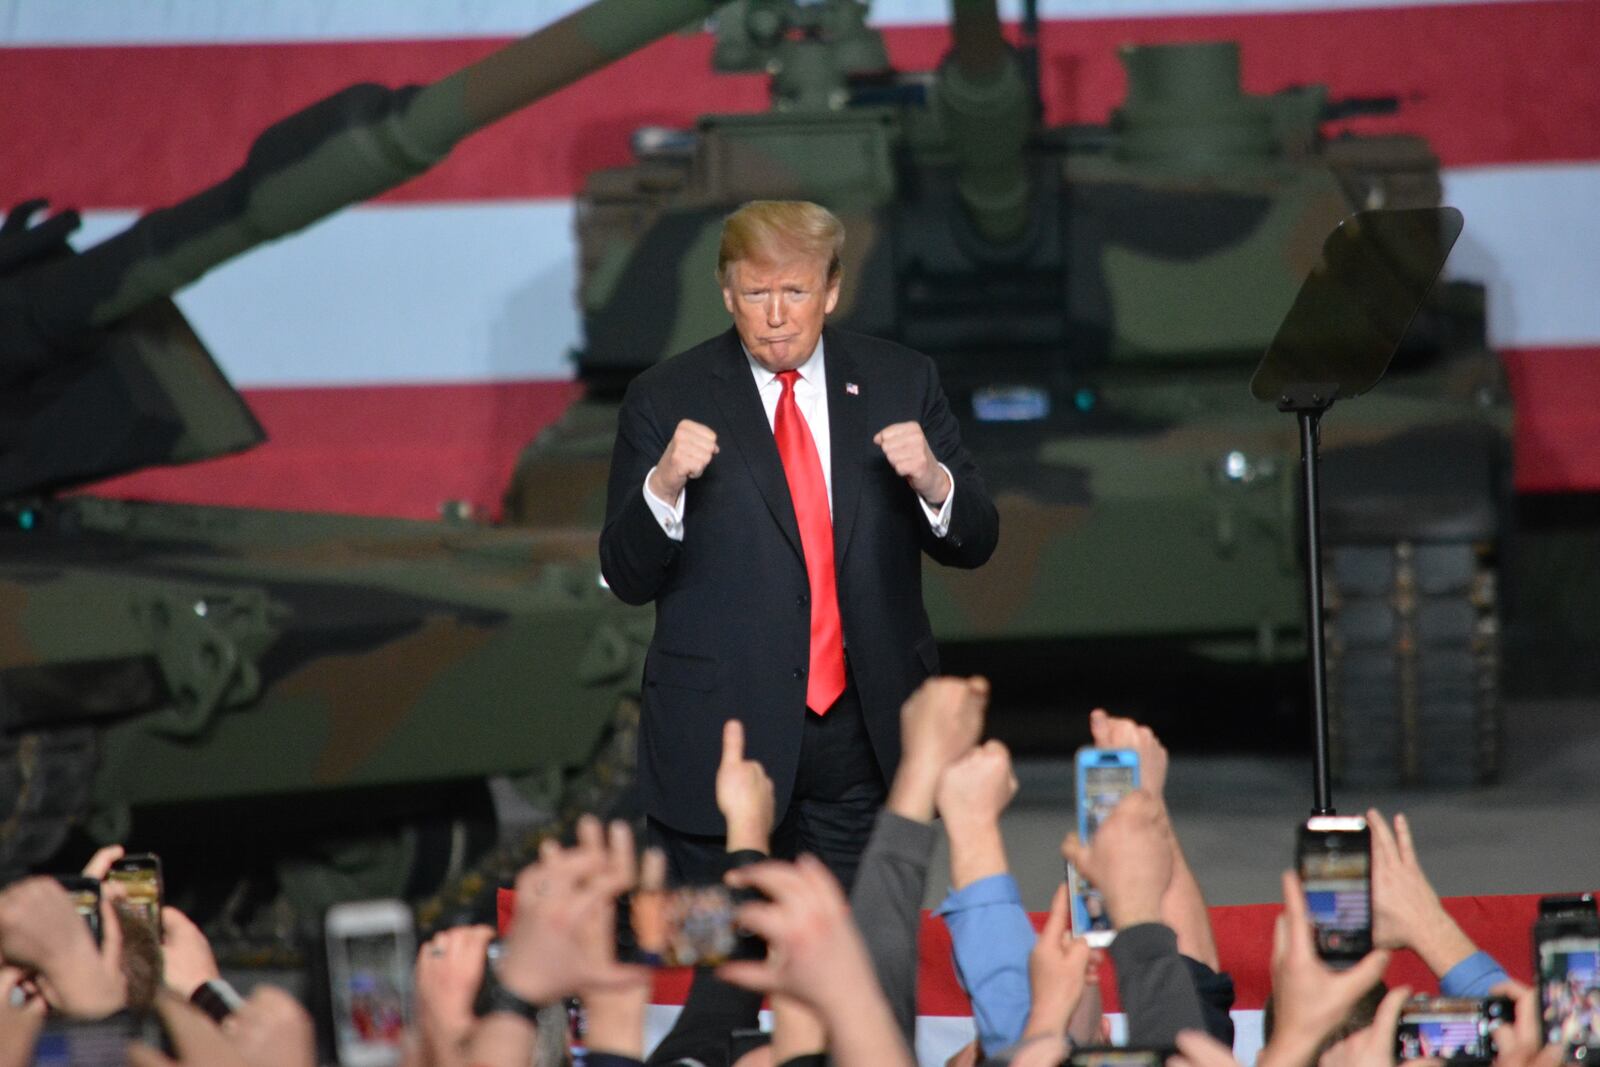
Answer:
(1104, 776)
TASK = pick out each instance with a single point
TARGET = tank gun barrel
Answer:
(1350, 107)
(988, 116)
(358, 143)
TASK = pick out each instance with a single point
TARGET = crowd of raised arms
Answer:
(840, 972)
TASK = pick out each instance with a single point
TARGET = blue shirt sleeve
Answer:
(1474, 976)
(992, 937)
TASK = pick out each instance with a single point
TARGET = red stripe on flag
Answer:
(1499, 925)
(137, 126)
(369, 450)
(404, 449)
(1558, 425)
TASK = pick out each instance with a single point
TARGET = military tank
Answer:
(1095, 298)
(340, 688)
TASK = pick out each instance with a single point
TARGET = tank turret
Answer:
(988, 115)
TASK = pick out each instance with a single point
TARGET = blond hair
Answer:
(774, 230)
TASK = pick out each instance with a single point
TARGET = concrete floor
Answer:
(1537, 830)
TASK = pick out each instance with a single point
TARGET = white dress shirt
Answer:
(811, 398)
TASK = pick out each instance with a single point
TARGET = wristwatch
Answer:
(216, 998)
(495, 998)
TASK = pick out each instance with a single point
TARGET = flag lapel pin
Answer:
(852, 388)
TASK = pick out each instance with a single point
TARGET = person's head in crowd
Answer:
(1358, 1018)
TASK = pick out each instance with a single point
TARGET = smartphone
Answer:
(140, 876)
(1456, 1029)
(1566, 946)
(690, 926)
(85, 894)
(1118, 1056)
(1105, 776)
(1334, 859)
(371, 946)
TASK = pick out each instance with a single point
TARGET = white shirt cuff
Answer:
(670, 516)
(939, 520)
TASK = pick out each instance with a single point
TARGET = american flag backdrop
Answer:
(400, 353)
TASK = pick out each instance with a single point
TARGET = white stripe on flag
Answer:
(1530, 236)
(392, 294)
(402, 293)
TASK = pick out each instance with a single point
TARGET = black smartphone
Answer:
(483, 1003)
(689, 926)
(1118, 1056)
(1455, 1029)
(1334, 860)
(140, 877)
(85, 894)
(1566, 948)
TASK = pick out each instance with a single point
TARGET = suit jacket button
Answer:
(804, 600)
(799, 672)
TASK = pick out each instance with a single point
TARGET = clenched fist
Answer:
(907, 451)
(686, 456)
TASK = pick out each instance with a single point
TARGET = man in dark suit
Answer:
(772, 490)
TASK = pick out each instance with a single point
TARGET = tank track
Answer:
(1413, 639)
(45, 779)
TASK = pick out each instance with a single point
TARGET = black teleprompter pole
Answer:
(1322, 797)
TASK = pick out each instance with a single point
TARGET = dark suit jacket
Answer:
(732, 606)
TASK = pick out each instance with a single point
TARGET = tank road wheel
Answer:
(44, 790)
(1413, 664)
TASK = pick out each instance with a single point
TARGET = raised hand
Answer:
(686, 456)
(976, 789)
(816, 955)
(1308, 997)
(195, 1038)
(1373, 1045)
(1406, 912)
(563, 937)
(744, 794)
(1058, 970)
(1112, 731)
(448, 973)
(1129, 860)
(272, 1029)
(187, 959)
(906, 448)
(41, 931)
(939, 723)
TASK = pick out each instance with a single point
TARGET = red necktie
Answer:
(803, 469)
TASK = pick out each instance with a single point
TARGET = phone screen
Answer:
(140, 877)
(372, 1008)
(1569, 990)
(1450, 1029)
(1336, 873)
(683, 927)
(1105, 776)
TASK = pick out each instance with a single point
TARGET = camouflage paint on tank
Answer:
(162, 654)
